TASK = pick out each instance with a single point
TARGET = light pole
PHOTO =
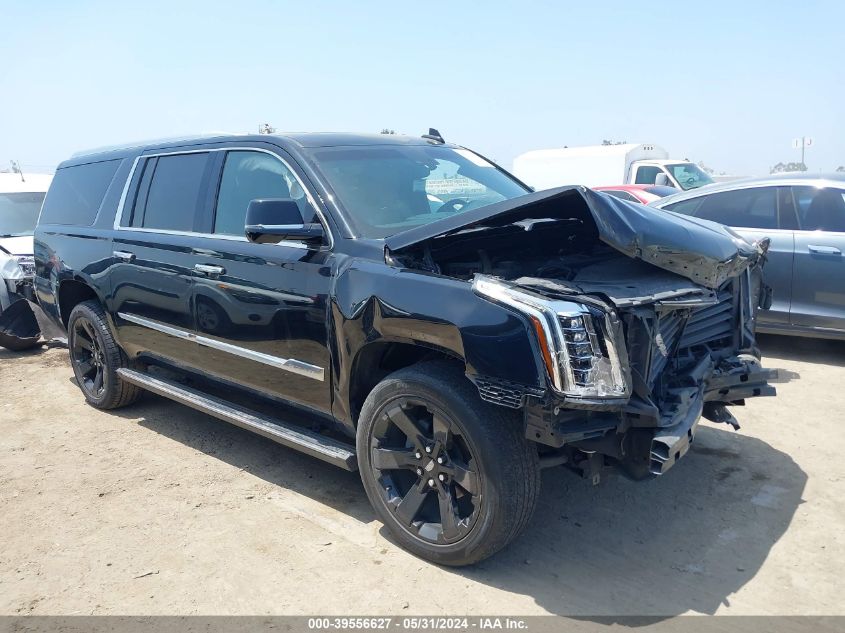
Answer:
(804, 142)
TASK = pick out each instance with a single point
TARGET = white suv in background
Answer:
(21, 196)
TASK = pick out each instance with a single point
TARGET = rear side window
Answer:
(820, 209)
(77, 192)
(748, 208)
(169, 192)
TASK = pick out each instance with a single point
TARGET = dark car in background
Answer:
(804, 217)
(404, 307)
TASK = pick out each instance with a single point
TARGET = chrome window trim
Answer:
(751, 228)
(288, 364)
(821, 233)
(295, 243)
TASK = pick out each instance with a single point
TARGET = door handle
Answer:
(209, 269)
(124, 256)
(824, 250)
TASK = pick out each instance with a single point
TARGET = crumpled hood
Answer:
(702, 251)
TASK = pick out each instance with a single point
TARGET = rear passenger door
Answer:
(261, 309)
(756, 213)
(153, 255)
(818, 298)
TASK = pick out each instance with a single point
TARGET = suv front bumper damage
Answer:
(643, 441)
(22, 321)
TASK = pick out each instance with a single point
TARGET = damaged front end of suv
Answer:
(642, 321)
(19, 329)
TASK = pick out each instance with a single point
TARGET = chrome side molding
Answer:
(288, 364)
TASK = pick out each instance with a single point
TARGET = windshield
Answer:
(388, 189)
(19, 213)
(689, 176)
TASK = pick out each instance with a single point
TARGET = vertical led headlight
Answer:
(578, 345)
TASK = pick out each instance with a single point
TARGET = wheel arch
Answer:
(71, 293)
(380, 358)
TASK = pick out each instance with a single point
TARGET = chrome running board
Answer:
(293, 436)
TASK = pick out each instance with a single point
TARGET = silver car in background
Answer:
(804, 216)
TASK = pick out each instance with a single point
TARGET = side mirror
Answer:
(272, 220)
(662, 180)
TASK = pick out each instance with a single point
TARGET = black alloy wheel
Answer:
(96, 357)
(88, 358)
(426, 471)
(451, 476)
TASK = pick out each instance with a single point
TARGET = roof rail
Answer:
(154, 141)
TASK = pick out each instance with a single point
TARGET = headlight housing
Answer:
(581, 346)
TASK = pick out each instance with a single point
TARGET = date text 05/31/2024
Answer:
(416, 623)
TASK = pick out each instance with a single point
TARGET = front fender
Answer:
(373, 302)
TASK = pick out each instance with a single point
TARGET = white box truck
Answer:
(597, 165)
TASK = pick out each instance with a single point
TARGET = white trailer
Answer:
(597, 165)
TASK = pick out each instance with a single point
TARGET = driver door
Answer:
(258, 306)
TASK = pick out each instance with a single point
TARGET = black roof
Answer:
(303, 140)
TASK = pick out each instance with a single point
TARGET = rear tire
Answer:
(452, 477)
(96, 357)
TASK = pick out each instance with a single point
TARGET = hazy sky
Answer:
(729, 83)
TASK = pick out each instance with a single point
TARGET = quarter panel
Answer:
(69, 253)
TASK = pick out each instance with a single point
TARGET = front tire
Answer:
(96, 357)
(451, 476)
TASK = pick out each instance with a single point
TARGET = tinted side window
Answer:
(174, 192)
(248, 176)
(76, 193)
(647, 175)
(750, 208)
(820, 209)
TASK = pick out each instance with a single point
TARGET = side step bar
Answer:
(291, 435)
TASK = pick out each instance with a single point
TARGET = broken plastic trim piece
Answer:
(718, 412)
(19, 329)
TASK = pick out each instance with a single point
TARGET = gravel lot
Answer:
(157, 509)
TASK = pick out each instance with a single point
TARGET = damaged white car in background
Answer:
(21, 196)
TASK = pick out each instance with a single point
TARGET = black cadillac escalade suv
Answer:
(404, 307)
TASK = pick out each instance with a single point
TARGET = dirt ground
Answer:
(157, 509)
